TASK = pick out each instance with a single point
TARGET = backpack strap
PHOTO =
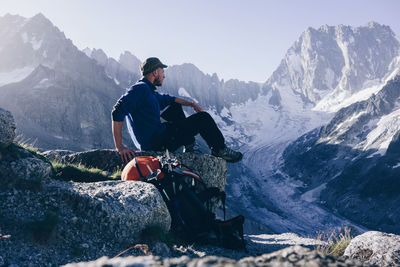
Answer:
(210, 193)
(142, 178)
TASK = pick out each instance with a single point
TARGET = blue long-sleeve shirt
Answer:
(141, 105)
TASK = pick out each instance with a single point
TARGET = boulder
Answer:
(19, 167)
(211, 169)
(104, 159)
(57, 155)
(7, 128)
(118, 210)
(65, 221)
(375, 247)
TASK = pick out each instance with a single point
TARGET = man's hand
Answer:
(184, 102)
(196, 107)
(126, 153)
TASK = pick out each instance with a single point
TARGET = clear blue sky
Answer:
(235, 39)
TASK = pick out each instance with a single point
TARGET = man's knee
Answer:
(204, 117)
(174, 112)
(204, 114)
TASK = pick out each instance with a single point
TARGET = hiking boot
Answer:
(192, 148)
(228, 154)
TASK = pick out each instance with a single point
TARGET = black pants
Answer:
(181, 130)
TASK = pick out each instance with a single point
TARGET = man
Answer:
(141, 105)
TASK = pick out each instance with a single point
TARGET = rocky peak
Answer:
(11, 19)
(332, 63)
(36, 40)
(39, 18)
(99, 56)
(129, 62)
(87, 51)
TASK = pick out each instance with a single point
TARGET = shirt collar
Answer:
(150, 84)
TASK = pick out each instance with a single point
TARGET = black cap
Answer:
(150, 65)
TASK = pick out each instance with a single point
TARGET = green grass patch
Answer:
(116, 175)
(78, 173)
(335, 242)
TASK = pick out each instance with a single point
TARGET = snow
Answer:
(257, 123)
(329, 77)
(36, 44)
(88, 52)
(183, 92)
(340, 98)
(292, 211)
(225, 113)
(24, 36)
(15, 75)
(294, 61)
(44, 83)
(344, 126)
(380, 137)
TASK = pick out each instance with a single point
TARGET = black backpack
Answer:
(190, 202)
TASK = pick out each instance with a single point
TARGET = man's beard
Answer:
(157, 82)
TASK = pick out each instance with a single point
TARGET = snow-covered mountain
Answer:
(325, 70)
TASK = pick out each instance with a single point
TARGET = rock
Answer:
(211, 169)
(297, 256)
(65, 222)
(7, 128)
(57, 155)
(104, 159)
(375, 247)
(30, 170)
(292, 256)
(118, 210)
(19, 167)
(160, 249)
